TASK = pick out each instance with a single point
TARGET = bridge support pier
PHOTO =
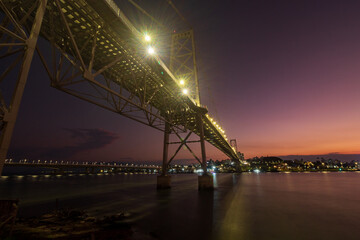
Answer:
(164, 180)
(205, 182)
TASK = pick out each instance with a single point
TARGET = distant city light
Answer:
(151, 50)
(257, 171)
(185, 91)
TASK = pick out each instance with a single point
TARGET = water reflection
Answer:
(243, 206)
(233, 222)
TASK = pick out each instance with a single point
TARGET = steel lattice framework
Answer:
(96, 54)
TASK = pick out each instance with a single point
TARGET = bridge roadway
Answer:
(90, 167)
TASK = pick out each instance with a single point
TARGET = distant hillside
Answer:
(339, 156)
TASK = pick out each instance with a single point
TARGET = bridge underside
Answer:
(93, 52)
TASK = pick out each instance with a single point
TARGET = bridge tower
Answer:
(183, 62)
(233, 144)
(239, 155)
(184, 67)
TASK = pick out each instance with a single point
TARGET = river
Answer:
(243, 206)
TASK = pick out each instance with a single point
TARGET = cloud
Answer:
(84, 140)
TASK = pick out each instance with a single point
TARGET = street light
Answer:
(147, 38)
(151, 50)
(185, 91)
(182, 82)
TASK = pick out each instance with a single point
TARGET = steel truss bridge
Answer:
(94, 52)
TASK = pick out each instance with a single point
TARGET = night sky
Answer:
(282, 77)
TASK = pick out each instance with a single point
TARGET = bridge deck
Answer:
(119, 41)
(81, 165)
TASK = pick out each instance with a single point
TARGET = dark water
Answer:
(245, 206)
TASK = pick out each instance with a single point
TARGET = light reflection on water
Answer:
(243, 206)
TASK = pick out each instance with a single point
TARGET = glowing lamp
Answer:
(185, 91)
(147, 38)
(151, 50)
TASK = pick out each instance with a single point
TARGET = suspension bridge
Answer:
(95, 53)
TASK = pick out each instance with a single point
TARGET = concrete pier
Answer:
(206, 182)
(163, 182)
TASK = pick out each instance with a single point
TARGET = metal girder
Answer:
(183, 143)
(14, 36)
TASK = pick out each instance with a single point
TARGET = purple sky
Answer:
(282, 77)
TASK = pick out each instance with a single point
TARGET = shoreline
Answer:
(76, 224)
(21, 175)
